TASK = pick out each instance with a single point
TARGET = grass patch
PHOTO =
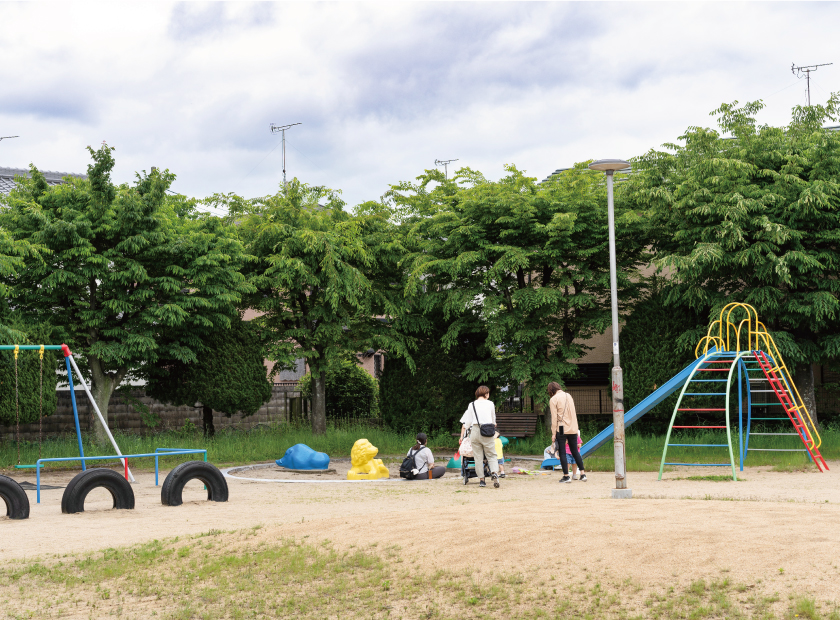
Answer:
(249, 573)
(235, 447)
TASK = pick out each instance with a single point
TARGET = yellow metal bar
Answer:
(758, 338)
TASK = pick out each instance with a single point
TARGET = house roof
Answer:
(7, 177)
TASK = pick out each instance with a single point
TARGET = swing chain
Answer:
(17, 406)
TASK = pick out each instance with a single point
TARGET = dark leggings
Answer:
(437, 472)
(561, 450)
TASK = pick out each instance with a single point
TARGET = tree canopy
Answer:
(125, 274)
(318, 279)
(753, 216)
(229, 375)
(526, 263)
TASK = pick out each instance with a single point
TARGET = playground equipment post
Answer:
(609, 166)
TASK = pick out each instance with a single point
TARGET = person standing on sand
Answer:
(564, 427)
(482, 411)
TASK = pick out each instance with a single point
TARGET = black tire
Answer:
(17, 503)
(73, 500)
(213, 479)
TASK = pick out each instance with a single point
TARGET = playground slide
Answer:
(675, 383)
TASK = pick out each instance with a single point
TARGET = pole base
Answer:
(622, 493)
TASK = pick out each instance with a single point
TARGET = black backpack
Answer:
(408, 464)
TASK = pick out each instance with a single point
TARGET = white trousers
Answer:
(483, 447)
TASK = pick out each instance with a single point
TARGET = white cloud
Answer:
(383, 89)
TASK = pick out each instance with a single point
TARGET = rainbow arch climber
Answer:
(738, 353)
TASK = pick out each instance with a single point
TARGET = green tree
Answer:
(753, 217)
(229, 376)
(350, 391)
(125, 274)
(325, 279)
(434, 397)
(528, 262)
(656, 344)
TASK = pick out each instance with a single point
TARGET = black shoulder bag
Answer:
(486, 430)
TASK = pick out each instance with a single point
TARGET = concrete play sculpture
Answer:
(301, 456)
(364, 466)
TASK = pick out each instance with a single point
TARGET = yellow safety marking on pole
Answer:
(41, 353)
(16, 351)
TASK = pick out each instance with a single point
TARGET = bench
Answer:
(516, 425)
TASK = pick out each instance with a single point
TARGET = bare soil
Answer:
(780, 529)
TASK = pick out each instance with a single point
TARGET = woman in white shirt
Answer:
(482, 411)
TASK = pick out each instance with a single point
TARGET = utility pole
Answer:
(798, 71)
(282, 129)
(7, 137)
(445, 163)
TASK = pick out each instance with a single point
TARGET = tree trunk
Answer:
(102, 386)
(207, 420)
(805, 384)
(319, 403)
(101, 391)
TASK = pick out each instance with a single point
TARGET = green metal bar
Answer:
(30, 347)
(736, 362)
(705, 393)
(706, 358)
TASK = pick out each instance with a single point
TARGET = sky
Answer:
(384, 89)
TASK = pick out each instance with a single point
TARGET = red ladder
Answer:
(791, 409)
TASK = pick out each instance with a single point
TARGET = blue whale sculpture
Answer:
(301, 456)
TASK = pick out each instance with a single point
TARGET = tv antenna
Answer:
(798, 71)
(445, 163)
(7, 137)
(282, 129)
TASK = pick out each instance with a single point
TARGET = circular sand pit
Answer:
(270, 472)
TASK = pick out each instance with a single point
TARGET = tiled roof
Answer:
(7, 177)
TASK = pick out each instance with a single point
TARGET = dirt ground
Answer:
(776, 528)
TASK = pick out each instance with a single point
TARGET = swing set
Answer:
(71, 366)
(15, 497)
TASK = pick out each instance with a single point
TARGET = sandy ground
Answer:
(676, 530)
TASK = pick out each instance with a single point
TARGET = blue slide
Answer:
(673, 384)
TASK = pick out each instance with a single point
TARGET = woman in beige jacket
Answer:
(564, 428)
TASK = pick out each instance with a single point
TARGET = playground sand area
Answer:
(761, 546)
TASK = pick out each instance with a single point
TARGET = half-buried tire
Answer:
(173, 487)
(73, 500)
(17, 503)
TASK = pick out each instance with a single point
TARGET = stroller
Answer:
(468, 462)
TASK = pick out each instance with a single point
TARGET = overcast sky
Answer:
(384, 89)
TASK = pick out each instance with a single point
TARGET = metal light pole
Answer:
(620, 491)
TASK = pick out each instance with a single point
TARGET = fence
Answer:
(126, 414)
(589, 400)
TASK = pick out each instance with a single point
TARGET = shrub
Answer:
(351, 392)
(433, 398)
(656, 343)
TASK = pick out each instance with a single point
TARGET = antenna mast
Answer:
(282, 129)
(445, 163)
(798, 71)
